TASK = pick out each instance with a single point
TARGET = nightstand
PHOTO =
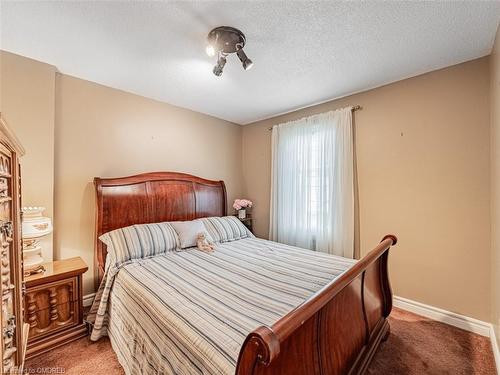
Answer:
(54, 305)
(248, 222)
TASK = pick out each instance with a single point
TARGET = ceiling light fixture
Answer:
(224, 40)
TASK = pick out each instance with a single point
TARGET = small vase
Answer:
(242, 214)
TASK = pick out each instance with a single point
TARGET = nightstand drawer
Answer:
(44, 296)
(53, 319)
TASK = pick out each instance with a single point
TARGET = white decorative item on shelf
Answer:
(35, 226)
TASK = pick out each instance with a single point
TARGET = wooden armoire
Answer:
(14, 331)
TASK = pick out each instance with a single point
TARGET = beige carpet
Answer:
(416, 346)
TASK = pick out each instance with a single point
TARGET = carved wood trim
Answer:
(11, 312)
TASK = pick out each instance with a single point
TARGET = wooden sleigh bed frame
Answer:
(336, 331)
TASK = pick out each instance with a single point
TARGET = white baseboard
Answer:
(88, 299)
(461, 321)
(440, 315)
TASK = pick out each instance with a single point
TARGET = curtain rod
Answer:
(353, 108)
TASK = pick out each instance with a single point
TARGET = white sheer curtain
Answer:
(312, 188)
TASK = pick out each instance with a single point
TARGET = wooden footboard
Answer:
(336, 331)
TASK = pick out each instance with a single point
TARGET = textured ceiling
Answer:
(304, 52)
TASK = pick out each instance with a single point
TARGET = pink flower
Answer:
(242, 203)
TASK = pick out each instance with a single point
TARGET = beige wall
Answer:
(423, 171)
(28, 103)
(495, 184)
(106, 132)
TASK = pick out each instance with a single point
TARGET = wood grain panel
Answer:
(172, 201)
(122, 205)
(208, 200)
(343, 330)
(302, 346)
(373, 296)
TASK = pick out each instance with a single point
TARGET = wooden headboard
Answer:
(152, 198)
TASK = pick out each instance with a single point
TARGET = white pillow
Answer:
(188, 232)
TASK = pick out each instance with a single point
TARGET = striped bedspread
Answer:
(189, 312)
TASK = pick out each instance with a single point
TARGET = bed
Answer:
(251, 307)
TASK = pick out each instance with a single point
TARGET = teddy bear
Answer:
(203, 243)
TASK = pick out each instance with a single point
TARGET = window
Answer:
(312, 183)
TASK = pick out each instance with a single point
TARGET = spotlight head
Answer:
(247, 65)
(245, 61)
(221, 62)
(217, 70)
(210, 50)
